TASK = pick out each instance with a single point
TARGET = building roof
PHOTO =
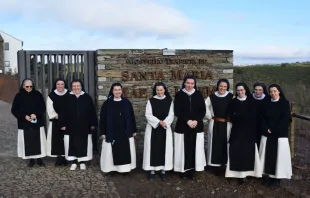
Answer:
(1, 39)
(9, 35)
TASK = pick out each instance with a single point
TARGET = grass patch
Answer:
(294, 80)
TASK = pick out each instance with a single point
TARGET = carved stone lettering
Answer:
(161, 75)
(136, 51)
(143, 75)
(134, 76)
(125, 92)
(207, 90)
(176, 74)
(169, 61)
(134, 92)
(143, 93)
(125, 76)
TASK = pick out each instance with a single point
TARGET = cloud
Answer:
(77, 25)
(275, 52)
(66, 39)
(242, 54)
(131, 18)
(271, 55)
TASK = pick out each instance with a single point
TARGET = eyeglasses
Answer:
(28, 87)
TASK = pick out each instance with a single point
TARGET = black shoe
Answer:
(242, 181)
(183, 175)
(150, 175)
(64, 161)
(40, 162)
(58, 161)
(31, 163)
(191, 174)
(266, 181)
(163, 176)
(275, 183)
(218, 171)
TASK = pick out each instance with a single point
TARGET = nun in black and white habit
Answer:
(78, 120)
(158, 142)
(219, 127)
(243, 156)
(117, 128)
(29, 109)
(190, 109)
(261, 99)
(274, 149)
(55, 104)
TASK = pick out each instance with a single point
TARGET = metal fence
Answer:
(300, 139)
(45, 66)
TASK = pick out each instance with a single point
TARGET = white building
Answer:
(11, 46)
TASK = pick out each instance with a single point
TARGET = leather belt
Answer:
(220, 119)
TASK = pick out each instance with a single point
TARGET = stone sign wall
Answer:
(138, 70)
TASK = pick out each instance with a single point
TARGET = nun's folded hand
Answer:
(28, 118)
(33, 116)
(269, 131)
(103, 136)
(134, 134)
(190, 123)
(92, 128)
(63, 128)
(163, 124)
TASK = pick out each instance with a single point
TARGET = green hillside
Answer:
(293, 78)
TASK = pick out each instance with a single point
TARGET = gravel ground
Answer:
(17, 180)
(205, 185)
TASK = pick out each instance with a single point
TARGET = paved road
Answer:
(17, 180)
(8, 131)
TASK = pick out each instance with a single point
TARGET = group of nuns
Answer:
(72, 119)
(247, 133)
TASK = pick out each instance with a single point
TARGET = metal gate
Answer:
(43, 67)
